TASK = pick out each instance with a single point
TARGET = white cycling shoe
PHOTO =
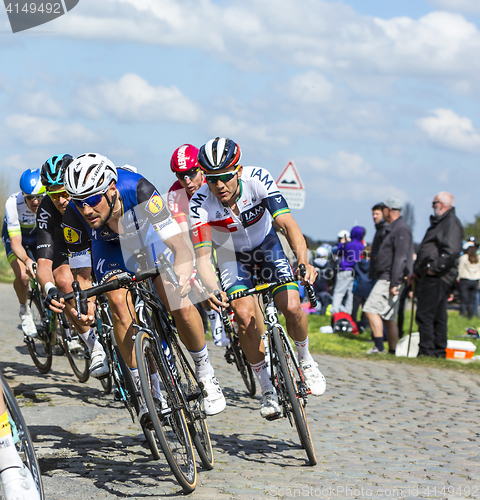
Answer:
(213, 398)
(98, 363)
(18, 484)
(270, 408)
(313, 377)
(28, 325)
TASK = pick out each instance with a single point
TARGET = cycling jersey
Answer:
(247, 239)
(214, 222)
(178, 200)
(19, 221)
(50, 242)
(145, 223)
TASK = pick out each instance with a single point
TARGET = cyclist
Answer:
(118, 212)
(17, 480)
(230, 212)
(19, 236)
(184, 165)
(53, 271)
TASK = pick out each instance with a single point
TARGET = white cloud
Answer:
(41, 103)
(310, 88)
(446, 128)
(133, 99)
(34, 131)
(458, 5)
(322, 35)
(347, 176)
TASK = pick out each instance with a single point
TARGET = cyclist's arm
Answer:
(183, 261)
(297, 243)
(21, 254)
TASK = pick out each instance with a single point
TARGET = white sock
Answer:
(89, 339)
(302, 349)
(203, 367)
(156, 386)
(262, 374)
(8, 453)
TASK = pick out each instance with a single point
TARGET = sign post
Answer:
(291, 186)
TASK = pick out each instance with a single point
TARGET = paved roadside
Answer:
(381, 429)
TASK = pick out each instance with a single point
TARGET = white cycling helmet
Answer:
(343, 234)
(89, 174)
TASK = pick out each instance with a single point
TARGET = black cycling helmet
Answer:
(219, 153)
(53, 170)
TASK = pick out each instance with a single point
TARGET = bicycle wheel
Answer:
(21, 436)
(128, 391)
(40, 347)
(244, 367)
(168, 418)
(292, 380)
(197, 419)
(75, 351)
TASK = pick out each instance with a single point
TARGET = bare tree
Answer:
(408, 214)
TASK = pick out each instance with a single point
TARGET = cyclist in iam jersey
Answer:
(117, 213)
(53, 271)
(19, 234)
(233, 212)
(184, 165)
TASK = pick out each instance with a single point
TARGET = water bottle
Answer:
(168, 355)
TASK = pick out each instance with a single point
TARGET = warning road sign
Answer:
(291, 186)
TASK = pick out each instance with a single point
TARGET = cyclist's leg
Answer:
(20, 284)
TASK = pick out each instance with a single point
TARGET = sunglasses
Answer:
(56, 195)
(435, 202)
(213, 179)
(34, 197)
(190, 174)
(91, 201)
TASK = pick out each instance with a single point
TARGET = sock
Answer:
(218, 333)
(24, 309)
(379, 343)
(302, 349)
(8, 453)
(203, 367)
(156, 386)
(263, 377)
(89, 339)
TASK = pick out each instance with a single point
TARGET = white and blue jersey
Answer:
(144, 225)
(244, 240)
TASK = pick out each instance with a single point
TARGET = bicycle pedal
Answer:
(230, 357)
(275, 416)
(117, 396)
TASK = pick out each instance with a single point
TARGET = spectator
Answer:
(394, 263)
(348, 252)
(468, 279)
(324, 280)
(381, 226)
(361, 288)
(436, 272)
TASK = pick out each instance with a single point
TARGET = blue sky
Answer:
(369, 98)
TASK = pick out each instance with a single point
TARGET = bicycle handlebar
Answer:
(308, 287)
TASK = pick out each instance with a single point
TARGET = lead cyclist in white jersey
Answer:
(234, 213)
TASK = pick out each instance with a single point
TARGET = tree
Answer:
(409, 214)
(472, 228)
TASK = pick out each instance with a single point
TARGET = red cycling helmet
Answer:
(184, 158)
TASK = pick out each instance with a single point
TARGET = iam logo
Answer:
(24, 15)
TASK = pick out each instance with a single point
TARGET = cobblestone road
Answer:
(381, 429)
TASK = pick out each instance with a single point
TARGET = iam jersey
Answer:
(178, 201)
(145, 220)
(19, 218)
(214, 222)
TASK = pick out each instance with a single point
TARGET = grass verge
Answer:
(6, 273)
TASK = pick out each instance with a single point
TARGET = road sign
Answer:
(291, 186)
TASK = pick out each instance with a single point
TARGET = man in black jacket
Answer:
(381, 225)
(436, 272)
(393, 265)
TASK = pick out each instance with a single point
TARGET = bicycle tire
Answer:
(23, 439)
(197, 421)
(292, 379)
(78, 358)
(243, 366)
(40, 347)
(171, 430)
(130, 391)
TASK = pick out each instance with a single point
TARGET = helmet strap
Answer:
(111, 204)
